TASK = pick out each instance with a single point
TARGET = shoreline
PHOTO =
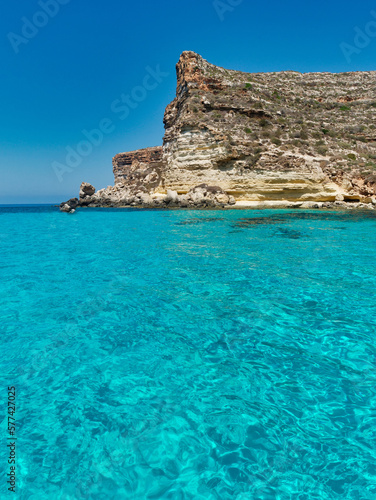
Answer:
(251, 205)
(202, 197)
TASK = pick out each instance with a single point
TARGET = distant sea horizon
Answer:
(28, 204)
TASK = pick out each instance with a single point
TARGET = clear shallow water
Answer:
(190, 355)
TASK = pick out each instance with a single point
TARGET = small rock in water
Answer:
(69, 206)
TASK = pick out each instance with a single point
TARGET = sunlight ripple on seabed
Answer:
(191, 355)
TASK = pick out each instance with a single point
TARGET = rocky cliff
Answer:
(255, 138)
(139, 163)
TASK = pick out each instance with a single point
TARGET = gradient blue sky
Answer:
(65, 79)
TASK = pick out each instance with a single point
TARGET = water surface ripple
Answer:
(191, 355)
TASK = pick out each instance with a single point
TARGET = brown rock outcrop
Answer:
(69, 206)
(86, 190)
(127, 165)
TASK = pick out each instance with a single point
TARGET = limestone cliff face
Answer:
(276, 136)
(261, 137)
(141, 164)
(138, 174)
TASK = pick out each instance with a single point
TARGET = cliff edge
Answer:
(255, 138)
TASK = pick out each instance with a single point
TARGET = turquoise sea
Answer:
(190, 355)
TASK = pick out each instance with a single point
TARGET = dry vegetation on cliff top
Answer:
(318, 114)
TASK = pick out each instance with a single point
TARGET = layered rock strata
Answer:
(139, 164)
(262, 138)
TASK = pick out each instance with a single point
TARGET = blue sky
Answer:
(65, 71)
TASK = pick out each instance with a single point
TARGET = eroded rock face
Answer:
(143, 167)
(86, 190)
(69, 206)
(138, 174)
(264, 136)
(261, 138)
(204, 195)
